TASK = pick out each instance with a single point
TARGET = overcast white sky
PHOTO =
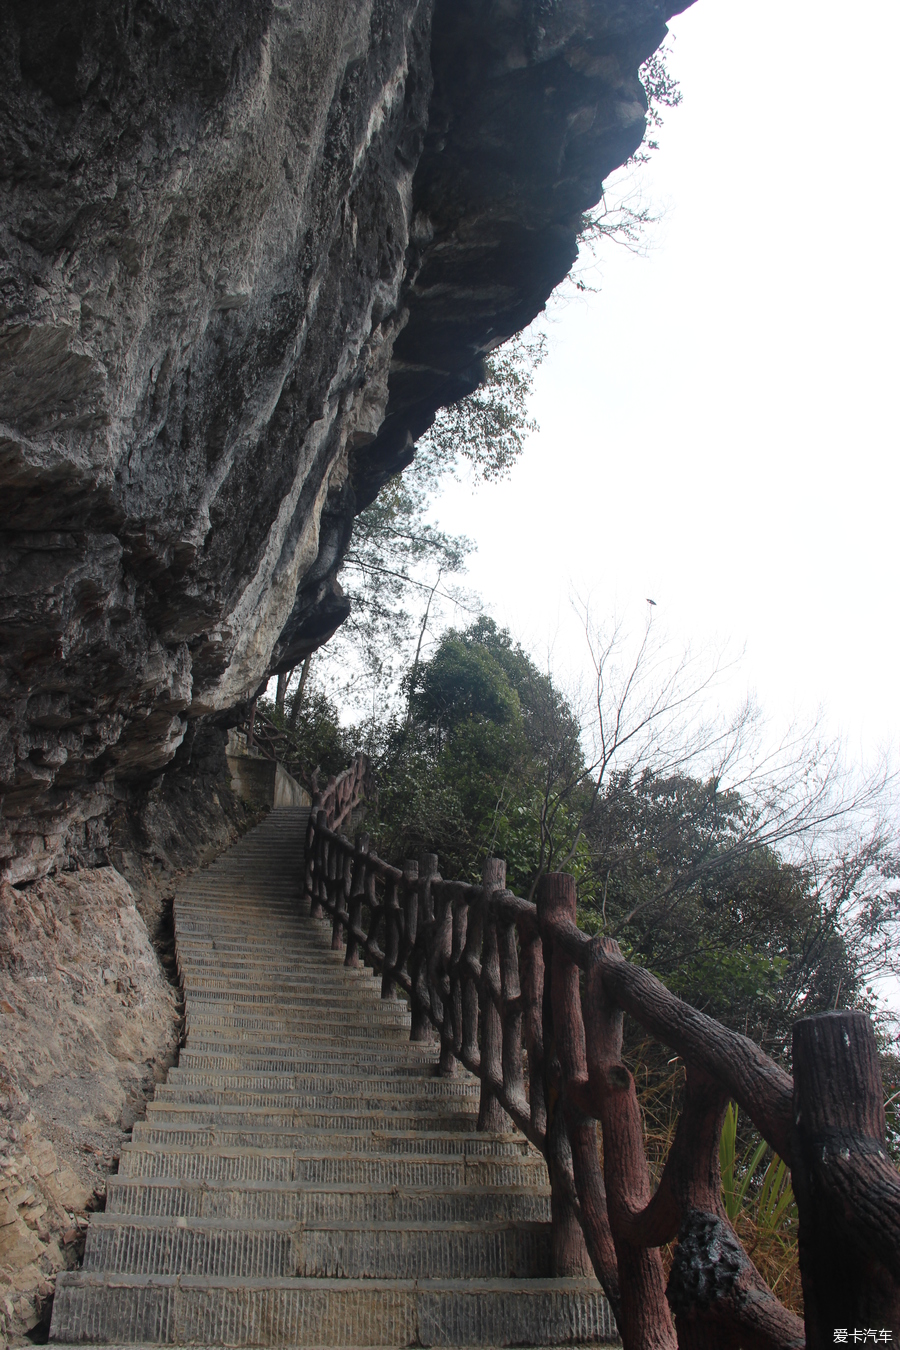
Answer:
(718, 427)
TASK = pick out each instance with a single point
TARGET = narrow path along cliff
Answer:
(303, 1177)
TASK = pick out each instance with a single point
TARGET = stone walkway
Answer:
(303, 1178)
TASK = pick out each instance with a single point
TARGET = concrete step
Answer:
(224, 1311)
(300, 995)
(243, 1000)
(324, 1050)
(331, 1021)
(222, 1164)
(260, 1020)
(392, 1142)
(294, 1059)
(307, 1205)
(313, 1076)
(386, 1103)
(285, 963)
(216, 1117)
(334, 1251)
(339, 1089)
(337, 982)
(321, 1050)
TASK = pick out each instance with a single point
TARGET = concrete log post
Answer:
(564, 1056)
(421, 1028)
(847, 1188)
(354, 904)
(491, 1115)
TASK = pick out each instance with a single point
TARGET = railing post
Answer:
(318, 891)
(409, 908)
(439, 980)
(309, 855)
(343, 882)
(391, 940)
(354, 904)
(421, 1029)
(847, 1189)
(511, 1016)
(556, 903)
(491, 1115)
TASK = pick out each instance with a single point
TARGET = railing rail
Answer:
(515, 992)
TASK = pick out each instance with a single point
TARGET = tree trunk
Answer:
(280, 690)
(298, 697)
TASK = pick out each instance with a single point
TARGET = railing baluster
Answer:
(460, 926)
(354, 903)
(421, 1028)
(643, 1314)
(491, 1115)
(531, 975)
(564, 1062)
(391, 939)
(439, 958)
(344, 880)
(511, 1016)
(407, 919)
(316, 910)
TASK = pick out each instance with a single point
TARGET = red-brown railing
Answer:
(341, 795)
(520, 996)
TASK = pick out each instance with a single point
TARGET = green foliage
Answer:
(318, 743)
(761, 1206)
(486, 431)
(400, 570)
(463, 772)
(737, 931)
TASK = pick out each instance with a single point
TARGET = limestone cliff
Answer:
(248, 247)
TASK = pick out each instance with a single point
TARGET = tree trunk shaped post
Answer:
(564, 1057)
(408, 918)
(847, 1189)
(491, 1115)
(511, 989)
(531, 974)
(343, 884)
(440, 957)
(420, 1029)
(309, 854)
(460, 917)
(354, 904)
(642, 1313)
(391, 939)
(315, 908)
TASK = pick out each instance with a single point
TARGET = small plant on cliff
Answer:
(486, 431)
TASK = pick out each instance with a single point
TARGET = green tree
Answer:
(463, 772)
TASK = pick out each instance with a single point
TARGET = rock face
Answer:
(248, 247)
(88, 1024)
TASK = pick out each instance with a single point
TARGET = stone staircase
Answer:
(303, 1178)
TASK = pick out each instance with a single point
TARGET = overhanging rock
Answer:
(247, 250)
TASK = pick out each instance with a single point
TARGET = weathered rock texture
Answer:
(88, 1023)
(248, 247)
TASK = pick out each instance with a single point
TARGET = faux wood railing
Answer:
(517, 993)
(341, 795)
